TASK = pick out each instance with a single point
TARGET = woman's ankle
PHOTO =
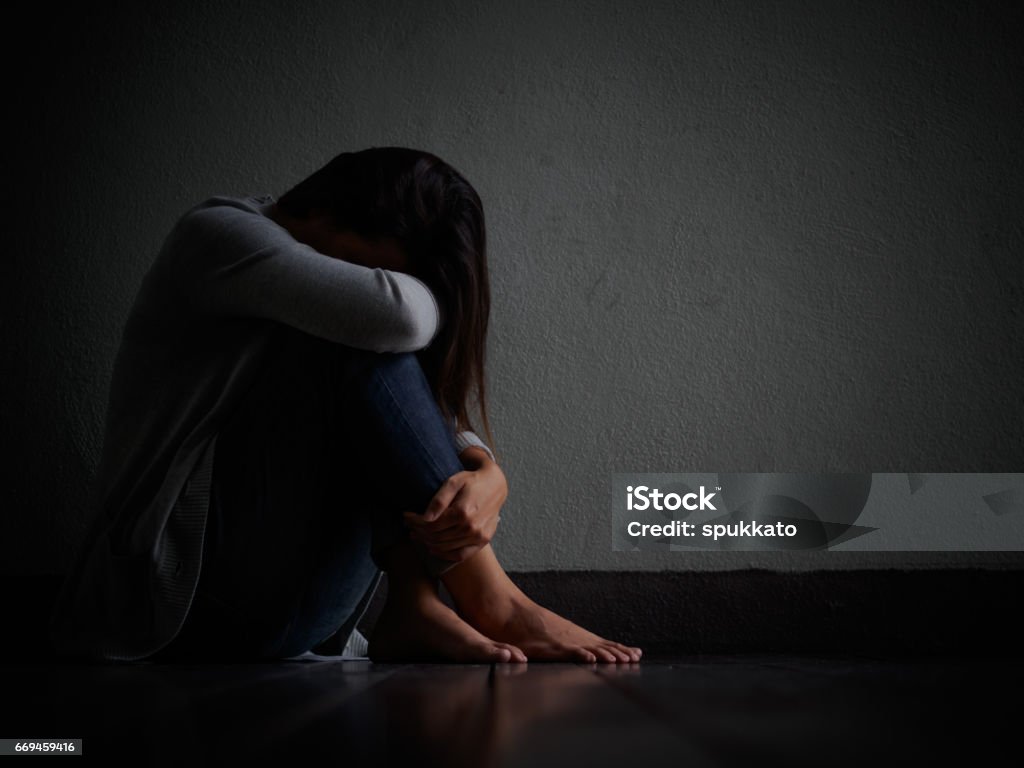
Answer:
(407, 577)
(479, 586)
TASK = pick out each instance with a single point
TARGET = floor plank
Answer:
(809, 711)
(171, 714)
(566, 715)
(697, 711)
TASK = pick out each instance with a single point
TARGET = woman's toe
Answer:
(515, 654)
(632, 653)
(620, 654)
(582, 654)
(490, 652)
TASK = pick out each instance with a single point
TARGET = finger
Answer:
(444, 496)
(465, 533)
(413, 518)
(469, 535)
(457, 513)
(449, 516)
(454, 556)
(447, 521)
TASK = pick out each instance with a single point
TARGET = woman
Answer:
(316, 414)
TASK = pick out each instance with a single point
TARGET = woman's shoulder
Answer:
(221, 215)
(230, 206)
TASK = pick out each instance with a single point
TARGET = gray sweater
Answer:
(194, 338)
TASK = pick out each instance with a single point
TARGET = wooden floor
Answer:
(714, 711)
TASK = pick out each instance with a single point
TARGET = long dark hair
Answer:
(437, 217)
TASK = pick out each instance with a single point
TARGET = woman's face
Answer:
(384, 253)
(318, 232)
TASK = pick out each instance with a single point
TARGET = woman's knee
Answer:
(398, 373)
(389, 363)
(309, 368)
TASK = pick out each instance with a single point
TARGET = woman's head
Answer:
(437, 219)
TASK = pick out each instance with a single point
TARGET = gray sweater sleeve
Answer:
(464, 440)
(233, 260)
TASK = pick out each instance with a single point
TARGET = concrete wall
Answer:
(725, 236)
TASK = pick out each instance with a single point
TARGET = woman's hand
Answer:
(463, 515)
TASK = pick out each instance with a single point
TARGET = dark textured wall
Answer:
(726, 236)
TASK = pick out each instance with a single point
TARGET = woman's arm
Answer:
(230, 260)
(463, 515)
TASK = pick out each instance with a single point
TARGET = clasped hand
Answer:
(463, 515)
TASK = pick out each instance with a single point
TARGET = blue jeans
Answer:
(311, 475)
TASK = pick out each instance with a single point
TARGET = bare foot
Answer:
(493, 604)
(544, 635)
(416, 626)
